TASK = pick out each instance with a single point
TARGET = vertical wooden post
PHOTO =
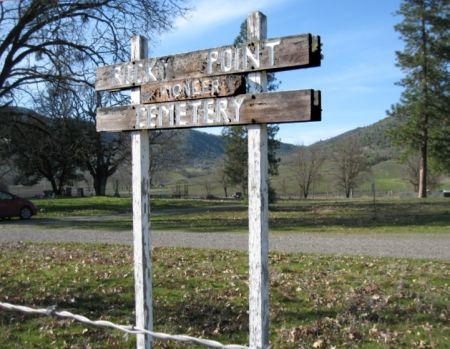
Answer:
(141, 209)
(258, 205)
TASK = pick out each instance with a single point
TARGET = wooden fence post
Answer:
(141, 210)
(258, 205)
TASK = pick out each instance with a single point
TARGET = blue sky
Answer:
(358, 73)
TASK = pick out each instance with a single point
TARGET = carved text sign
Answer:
(207, 88)
(276, 107)
(197, 88)
(285, 53)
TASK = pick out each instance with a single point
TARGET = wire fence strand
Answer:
(124, 328)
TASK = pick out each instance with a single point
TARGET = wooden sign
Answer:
(285, 53)
(204, 87)
(274, 107)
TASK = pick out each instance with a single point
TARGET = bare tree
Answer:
(64, 126)
(34, 144)
(349, 164)
(101, 153)
(50, 40)
(308, 164)
(165, 152)
(61, 42)
(284, 187)
(6, 162)
(208, 188)
(222, 176)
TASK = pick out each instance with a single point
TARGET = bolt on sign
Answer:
(207, 88)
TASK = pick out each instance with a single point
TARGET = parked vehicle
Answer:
(13, 206)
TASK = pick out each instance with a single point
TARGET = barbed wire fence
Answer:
(52, 312)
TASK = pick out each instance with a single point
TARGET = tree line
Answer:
(58, 141)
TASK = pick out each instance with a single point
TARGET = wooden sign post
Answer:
(140, 164)
(258, 210)
(203, 89)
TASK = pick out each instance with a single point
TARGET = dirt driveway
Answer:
(429, 246)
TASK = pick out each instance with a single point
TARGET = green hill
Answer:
(199, 148)
(385, 169)
(373, 138)
(199, 153)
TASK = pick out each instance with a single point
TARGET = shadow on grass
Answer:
(207, 315)
(111, 206)
(73, 223)
(310, 216)
(361, 215)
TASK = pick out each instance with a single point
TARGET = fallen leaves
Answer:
(316, 301)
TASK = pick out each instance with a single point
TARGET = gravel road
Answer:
(430, 246)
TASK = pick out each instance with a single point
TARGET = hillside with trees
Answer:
(195, 157)
(202, 158)
(373, 138)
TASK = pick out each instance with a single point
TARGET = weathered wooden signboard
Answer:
(207, 88)
(197, 88)
(286, 53)
(261, 108)
(216, 87)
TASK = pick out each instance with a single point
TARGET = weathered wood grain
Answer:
(186, 89)
(285, 53)
(258, 213)
(263, 108)
(140, 155)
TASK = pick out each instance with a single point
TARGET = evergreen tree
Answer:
(43, 147)
(423, 109)
(236, 154)
(236, 150)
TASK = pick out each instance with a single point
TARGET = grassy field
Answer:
(388, 176)
(316, 301)
(356, 215)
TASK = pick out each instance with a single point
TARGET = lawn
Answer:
(315, 302)
(106, 205)
(357, 215)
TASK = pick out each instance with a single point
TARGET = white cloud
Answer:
(210, 13)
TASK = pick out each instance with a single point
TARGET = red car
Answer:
(14, 206)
